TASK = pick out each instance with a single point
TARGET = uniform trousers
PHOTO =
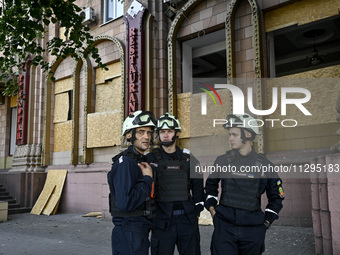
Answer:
(181, 232)
(130, 240)
(233, 239)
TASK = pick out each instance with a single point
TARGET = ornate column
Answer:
(20, 158)
(336, 147)
(27, 158)
(36, 158)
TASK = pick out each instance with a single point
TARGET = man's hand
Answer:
(212, 211)
(146, 168)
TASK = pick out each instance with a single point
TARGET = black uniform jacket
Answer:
(191, 206)
(270, 184)
(130, 186)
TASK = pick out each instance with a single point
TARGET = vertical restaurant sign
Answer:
(135, 87)
(23, 101)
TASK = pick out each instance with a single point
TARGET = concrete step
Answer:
(5, 197)
(4, 193)
(16, 205)
(10, 201)
(19, 210)
(13, 206)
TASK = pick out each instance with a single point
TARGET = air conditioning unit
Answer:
(88, 15)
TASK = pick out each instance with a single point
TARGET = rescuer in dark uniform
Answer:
(239, 223)
(130, 181)
(177, 211)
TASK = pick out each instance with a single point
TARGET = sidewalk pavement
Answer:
(72, 234)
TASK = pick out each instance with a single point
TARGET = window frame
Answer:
(197, 47)
(13, 130)
(115, 15)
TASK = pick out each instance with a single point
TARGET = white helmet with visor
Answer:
(168, 121)
(138, 119)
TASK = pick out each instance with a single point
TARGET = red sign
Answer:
(133, 72)
(23, 101)
(20, 117)
(135, 84)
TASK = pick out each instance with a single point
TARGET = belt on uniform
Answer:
(178, 212)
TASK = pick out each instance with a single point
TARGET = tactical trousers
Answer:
(130, 240)
(237, 240)
(181, 232)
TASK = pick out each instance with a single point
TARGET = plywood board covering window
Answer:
(62, 106)
(107, 98)
(62, 136)
(103, 129)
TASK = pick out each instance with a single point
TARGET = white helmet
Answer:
(138, 119)
(168, 121)
(244, 121)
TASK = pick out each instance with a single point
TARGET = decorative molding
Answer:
(45, 157)
(27, 158)
(336, 147)
(75, 107)
(172, 35)
(230, 41)
(148, 62)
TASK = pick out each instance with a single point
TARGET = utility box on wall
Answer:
(3, 211)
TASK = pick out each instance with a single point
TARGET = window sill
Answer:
(111, 20)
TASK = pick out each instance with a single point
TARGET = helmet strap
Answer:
(151, 141)
(133, 136)
(135, 151)
(132, 139)
(173, 140)
(244, 138)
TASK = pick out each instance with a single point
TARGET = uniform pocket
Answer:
(136, 240)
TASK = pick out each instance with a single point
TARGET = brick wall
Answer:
(325, 206)
(244, 46)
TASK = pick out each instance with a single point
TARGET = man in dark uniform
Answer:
(177, 210)
(239, 223)
(130, 181)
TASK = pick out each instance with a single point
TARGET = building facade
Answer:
(154, 50)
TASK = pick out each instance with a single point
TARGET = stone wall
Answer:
(325, 187)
